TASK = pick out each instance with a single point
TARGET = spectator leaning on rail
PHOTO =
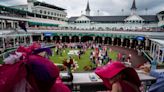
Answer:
(158, 86)
(118, 78)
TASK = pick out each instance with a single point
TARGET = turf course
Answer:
(84, 61)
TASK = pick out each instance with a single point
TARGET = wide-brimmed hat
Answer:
(110, 70)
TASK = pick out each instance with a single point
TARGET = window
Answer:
(162, 17)
(139, 21)
(40, 11)
(45, 12)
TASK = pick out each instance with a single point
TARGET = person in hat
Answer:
(29, 70)
(119, 78)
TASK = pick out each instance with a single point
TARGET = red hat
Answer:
(110, 70)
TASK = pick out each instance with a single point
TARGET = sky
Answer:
(105, 7)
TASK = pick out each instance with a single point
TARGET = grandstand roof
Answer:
(115, 18)
(47, 5)
(9, 9)
(162, 12)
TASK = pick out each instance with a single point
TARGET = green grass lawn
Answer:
(84, 61)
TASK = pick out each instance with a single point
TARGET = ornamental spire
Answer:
(88, 9)
(134, 5)
(133, 8)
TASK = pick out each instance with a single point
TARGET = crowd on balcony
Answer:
(9, 14)
(99, 29)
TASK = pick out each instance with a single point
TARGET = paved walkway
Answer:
(135, 58)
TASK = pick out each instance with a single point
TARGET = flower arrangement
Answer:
(70, 64)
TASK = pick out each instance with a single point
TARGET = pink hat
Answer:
(110, 70)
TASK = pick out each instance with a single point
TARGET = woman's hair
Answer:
(119, 76)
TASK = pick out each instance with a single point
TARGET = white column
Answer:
(51, 38)
(27, 25)
(146, 44)
(122, 42)
(70, 38)
(12, 26)
(130, 43)
(4, 25)
(94, 38)
(1, 24)
(103, 40)
(79, 38)
(155, 50)
(151, 47)
(158, 53)
(162, 56)
(25, 40)
(4, 47)
(42, 37)
(31, 40)
(112, 41)
(60, 38)
(14, 42)
(18, 40)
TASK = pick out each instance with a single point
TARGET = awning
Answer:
(162, 26)
(42, 24)
(141, 38)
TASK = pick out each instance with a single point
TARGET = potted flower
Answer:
(71, 66)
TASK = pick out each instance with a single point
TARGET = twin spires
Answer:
(133, 8)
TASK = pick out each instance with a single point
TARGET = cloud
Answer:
(12, 2)
(105, 7)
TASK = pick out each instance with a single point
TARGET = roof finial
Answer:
(88, 9)
(134, 5)
(133, 8)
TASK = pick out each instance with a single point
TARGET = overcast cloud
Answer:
(105, 7)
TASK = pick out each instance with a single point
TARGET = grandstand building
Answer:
(133, 21)
(37, 15)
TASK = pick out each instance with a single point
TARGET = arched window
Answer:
(162, 17)
(45, 12)
(40, 11)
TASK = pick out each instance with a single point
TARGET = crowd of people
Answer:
(99, 55)
(32, 71)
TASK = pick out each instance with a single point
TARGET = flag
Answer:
(22, 25)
